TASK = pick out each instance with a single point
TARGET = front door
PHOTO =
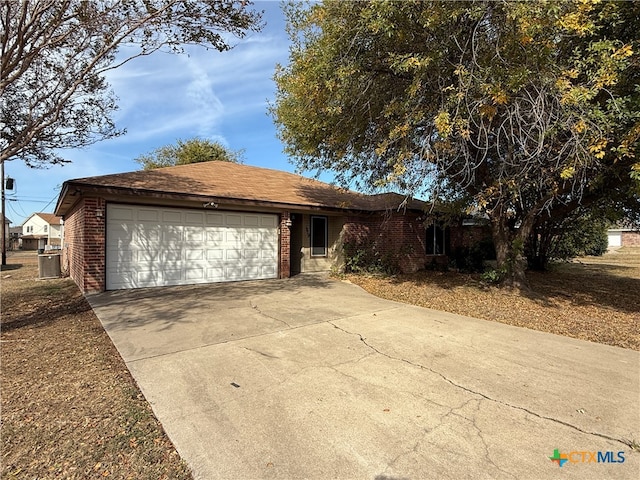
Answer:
(296, 244)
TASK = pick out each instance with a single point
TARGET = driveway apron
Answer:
(312, 377)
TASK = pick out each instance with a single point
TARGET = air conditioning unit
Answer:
(49, 266)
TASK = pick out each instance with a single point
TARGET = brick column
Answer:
(284, 250)
(95, 213)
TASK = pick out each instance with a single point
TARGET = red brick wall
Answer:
(631, 239)
(95, 244)
(84, 244)
(466, 236)
(284, 247)
(72, 254)
(398, 237)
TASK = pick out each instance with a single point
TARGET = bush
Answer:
(471, 259)
(366, 258)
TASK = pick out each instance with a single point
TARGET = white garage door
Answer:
(151, 246)
(614, 239)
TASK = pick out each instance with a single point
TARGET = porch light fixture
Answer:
(288, 223)
(210, 204)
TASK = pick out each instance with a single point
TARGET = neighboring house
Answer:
(622, 236)
(220, 221)
(15, 233)
(40, 231)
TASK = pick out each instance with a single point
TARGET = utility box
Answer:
(49, 266)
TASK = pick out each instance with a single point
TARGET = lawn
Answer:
(70, 408)
(592, 298)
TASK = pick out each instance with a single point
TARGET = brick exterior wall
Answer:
(83, 255)
(630, 239)
(284, 250)
(467, 236)
(398, 238)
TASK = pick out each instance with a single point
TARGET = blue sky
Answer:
(165, 97)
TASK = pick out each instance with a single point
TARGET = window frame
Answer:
(312, 236)
(433, 241)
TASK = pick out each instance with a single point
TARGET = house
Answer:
(220, 221)
(15, 233)
(40, 231)
(623, 236)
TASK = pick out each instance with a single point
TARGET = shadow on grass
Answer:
(13, 266)
(42, 305)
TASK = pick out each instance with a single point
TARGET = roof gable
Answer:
(40, 217)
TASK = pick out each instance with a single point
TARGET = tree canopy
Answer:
(194, 150)
(55, 53)
(525, 110)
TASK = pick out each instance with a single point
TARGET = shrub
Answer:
(472, 259)
(365, 257)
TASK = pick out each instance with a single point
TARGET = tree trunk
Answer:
(510, 253)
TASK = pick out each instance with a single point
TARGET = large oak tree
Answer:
(523, 109)
(55, 53)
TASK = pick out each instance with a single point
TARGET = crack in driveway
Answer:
(627, 443)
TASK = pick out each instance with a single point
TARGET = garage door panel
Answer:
(215, 274)
(253, 237)
(251, 221)
(215, 219)
(233, 273)
(144, 215)
(233, 237)
(195, 273)
(172, 235)
(149, 246)
(269, 271)
(233, 220)
(215, 254)
(194, 234)
(194, 218)
(195, 254)
(172, 216)
(121, 213)
(233, 254)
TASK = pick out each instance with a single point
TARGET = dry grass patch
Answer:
(70, 408)
(594, 298)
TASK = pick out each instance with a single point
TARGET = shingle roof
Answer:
(50, 218)
(240, 182)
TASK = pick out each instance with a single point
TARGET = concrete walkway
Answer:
(314, 378)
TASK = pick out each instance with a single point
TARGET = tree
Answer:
(520, 109)
(194, 150)
(55, 54)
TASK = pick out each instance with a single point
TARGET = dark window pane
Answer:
(318, 236)
(437, 240)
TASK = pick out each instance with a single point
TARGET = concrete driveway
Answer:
(314, 378)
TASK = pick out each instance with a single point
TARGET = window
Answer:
(319, 236)
(46, 227)
(437, 240)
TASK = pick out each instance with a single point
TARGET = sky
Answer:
(165, 97)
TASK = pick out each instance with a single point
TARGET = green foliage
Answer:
(194, 150)
(494, 276)
(473, 258)
(585, 237)
(525, 108)
(364, 257)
